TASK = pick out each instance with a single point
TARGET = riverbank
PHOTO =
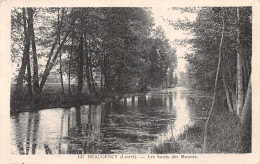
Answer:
(53, 97)
(224, 136)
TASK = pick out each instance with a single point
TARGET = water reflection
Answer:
(133, 124)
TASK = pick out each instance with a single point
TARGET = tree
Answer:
(80, 65)
(51, 58)
(216, 81)
(25, 58)
(59, 28)
(35, 58)
(233, 81)
(112, 50)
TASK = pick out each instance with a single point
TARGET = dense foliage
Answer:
(108, 49)
(221, 61)
(207, 30)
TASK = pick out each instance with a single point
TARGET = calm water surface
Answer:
(134, 124)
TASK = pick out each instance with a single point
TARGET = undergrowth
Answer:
(224, 136)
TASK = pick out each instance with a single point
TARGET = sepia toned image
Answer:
(131, 80)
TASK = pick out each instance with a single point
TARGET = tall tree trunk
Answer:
(35, 60)
(231, 85)
(80, 66)
(240, 93)
(246, 112)
(170, 77)
(225, 66)
(19, 84)
(29, 77)
(91, 77)
(230, 108)
(70, 63)
(69, 74)
(246, 120)
(61, 76)
(102, 73)
(87, 67)
(215, 87)
(107, 86)
(101, 80)
(244, 72)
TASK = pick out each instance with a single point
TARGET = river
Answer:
(134, 124)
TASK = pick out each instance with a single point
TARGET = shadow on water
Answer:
(133, 124)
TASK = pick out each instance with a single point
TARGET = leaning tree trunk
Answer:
(215, 87)
(19, 84)
(51, 61)
(48, 69)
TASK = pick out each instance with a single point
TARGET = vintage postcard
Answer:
(130, 81)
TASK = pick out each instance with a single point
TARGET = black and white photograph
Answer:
(112, 82)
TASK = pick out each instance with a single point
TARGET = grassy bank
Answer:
(51, 97)
(224, 136)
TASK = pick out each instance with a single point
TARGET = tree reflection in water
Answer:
(133, 124)
(26, 131)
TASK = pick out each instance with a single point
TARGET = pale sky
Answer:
(171, 33)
